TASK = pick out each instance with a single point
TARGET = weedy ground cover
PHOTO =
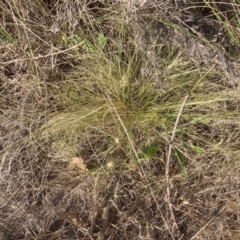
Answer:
(119, 121)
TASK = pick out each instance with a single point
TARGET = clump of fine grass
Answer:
(106, 94)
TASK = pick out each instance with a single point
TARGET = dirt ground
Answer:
(42, 197)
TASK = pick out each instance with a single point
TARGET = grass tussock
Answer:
(90, 97)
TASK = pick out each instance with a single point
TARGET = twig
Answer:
(175, 225)
(144, 174)
(43, 56)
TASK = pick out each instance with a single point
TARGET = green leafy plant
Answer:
(197, 149)
(148, 152)
(181, 161)
(86, 44)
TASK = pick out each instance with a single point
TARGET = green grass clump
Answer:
(106, 95)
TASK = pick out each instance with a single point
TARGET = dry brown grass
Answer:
(74, 116)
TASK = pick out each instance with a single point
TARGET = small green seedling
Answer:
(148, 152)
(180, 158)
(86, 44)
(197, 149)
